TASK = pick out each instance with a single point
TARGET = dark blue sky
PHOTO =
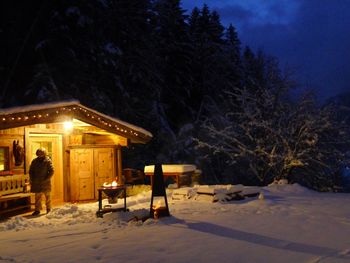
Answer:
(310, 37)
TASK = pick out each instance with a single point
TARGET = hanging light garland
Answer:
(85, 113)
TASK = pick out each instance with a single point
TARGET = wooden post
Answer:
(119, 165)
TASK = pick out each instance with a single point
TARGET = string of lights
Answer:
(79, 112)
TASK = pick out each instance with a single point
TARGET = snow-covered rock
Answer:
(183, 193)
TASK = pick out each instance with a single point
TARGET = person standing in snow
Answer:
(40, 172)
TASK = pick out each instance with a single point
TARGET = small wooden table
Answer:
(112, 191)
(172, 170)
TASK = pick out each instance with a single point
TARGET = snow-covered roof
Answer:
(33, 107)
(57, 111)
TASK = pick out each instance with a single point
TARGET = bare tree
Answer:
(270, 138)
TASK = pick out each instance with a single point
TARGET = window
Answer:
(4, 159)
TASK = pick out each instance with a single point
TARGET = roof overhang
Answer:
(66, 111)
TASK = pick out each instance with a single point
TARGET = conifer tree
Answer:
(208, 58)
(174, 49)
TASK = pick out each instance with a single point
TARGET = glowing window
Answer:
(4, 159)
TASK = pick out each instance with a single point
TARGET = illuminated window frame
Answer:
(4, 158)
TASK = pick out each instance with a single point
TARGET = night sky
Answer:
(309, 37)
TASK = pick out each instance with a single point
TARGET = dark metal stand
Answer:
(158, 189)
(110, 192)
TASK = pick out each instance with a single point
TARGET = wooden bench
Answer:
(12, 198)
(15, 203)
(133, 176)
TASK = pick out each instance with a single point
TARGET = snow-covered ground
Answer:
(290, 224)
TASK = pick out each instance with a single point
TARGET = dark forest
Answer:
(182, 75)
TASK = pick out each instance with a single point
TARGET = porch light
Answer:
(68, 125)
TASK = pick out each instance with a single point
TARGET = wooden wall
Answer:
(79, 137)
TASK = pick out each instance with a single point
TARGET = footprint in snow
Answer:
(345, 252)
(7, 259)
(95, 246)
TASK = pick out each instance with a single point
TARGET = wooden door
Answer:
(104, 162)
(53, 145)
(81, 174)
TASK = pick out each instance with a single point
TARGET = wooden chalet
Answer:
(84, 145)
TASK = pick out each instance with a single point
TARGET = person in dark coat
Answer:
(40, 172)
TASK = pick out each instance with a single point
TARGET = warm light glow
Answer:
(158, 205)
(68, 125)
(113, 184)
